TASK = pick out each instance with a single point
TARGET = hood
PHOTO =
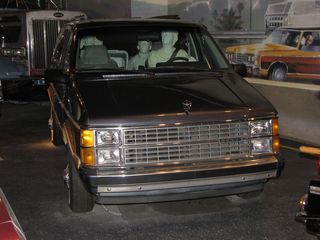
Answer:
(220, 95)
(256, 48)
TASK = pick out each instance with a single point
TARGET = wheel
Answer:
(80, 200)
(278, 73)
(55, 132)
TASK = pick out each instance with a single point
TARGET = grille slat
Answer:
(45, 34)
(192, 152)
(186, 143)
(242, 57)
(185, 133)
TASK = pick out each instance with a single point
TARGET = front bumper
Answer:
(309, 209)
(179, 182)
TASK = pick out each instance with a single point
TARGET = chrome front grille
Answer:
(186, 143)
(242, 57)
(45, 33)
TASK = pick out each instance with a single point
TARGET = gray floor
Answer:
(31, 176)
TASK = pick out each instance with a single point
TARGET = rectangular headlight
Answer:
(97, 157)
(7, 52)
(108, 137)
(261, 145)
(108, 156)
(260, 128)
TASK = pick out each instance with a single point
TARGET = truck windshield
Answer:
(147, 47)
(10, 28)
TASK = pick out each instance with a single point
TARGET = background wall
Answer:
(149, 8)
(209, 12)
(102, 8)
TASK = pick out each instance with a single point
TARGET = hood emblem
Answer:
(186, 104)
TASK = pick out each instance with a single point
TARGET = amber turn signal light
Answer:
(275, 126)
(88, 156)
(87, 138)
(276, 144)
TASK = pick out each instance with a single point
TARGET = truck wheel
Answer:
(278, 73)
(80, 200)
(55, 132)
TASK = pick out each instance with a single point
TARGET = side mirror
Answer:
(240, 68)
(55, 76)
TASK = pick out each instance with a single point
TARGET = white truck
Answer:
(27, 39)
(297, 13)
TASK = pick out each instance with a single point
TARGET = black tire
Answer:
(278, 73)
(80, 200)
(55, 132)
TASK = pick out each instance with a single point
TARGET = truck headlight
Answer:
(108, 156)
(108, 137)
(94, 157)
(251, 58)
(13, 52)
(260, 128)
(261, 145)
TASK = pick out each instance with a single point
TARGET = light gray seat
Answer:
(96, 56)
(120, 57)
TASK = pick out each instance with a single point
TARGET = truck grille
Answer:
(186, 143)
(45, 34)
(242, 58)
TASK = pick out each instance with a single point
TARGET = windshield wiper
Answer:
(178, 68)
(114, 71)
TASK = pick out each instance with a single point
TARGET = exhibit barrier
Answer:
(298, 106)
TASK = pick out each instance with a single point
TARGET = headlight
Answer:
(108, 156)
(260, 128)
(261, 145)
(14, 52)
(108, 137)
(93, 157)
(303, 204)
(229, 56)
(251, 59)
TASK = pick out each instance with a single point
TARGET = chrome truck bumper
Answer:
(177, 183)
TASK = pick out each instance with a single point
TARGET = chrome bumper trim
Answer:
(187, 183)
(161, 169)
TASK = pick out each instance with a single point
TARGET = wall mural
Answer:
(102, 8)
(275, 53)
(250, 31)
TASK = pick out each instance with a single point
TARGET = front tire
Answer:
(278, 73)
(80, 200)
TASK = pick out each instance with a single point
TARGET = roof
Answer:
(132, 22)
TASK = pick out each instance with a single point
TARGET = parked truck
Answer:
(27, 39)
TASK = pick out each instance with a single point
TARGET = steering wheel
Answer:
(174, 59)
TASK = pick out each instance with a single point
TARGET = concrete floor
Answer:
(31, 170)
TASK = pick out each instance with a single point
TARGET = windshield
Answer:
(285, 37)
(147, 47)
(10, 28)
